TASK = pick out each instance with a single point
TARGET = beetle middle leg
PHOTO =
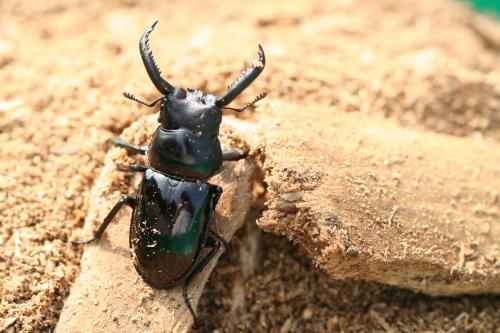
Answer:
(132, 167)
(215, 246)
(132, 149)
(125, 200)
(234, 155)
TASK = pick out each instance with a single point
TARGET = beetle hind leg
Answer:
(125, 200)
(215, 246)
(221, 239)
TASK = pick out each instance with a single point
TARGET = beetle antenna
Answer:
(256, 99)
(132, 97)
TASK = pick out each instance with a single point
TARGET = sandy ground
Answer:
(432, 65)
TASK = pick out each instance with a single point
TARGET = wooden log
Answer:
(370, 199)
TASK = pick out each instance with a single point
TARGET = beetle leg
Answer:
(132, 167)
(217, 193)
(132, 149)
(215, 246)
(125, 200)
(221, 239)
(234, 155)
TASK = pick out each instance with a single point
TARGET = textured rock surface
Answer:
(109, 295)
(369, 199)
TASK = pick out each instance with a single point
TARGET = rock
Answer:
(369, 199)
(109, 295)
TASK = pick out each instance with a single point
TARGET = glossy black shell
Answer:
(184, 154)
(192, 110)
(169, 227)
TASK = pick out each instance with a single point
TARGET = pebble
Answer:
(307, 313)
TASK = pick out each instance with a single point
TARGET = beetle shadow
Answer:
(227, 173)
(106, 244)
(218, 225)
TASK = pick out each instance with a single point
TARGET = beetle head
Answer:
(192, 109)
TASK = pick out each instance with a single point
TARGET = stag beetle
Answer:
(173, 210)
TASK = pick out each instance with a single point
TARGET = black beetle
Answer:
(174, 208)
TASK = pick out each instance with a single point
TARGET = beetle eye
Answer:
(180, 93)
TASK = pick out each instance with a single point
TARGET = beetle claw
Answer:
(149, 62)
(244, 80)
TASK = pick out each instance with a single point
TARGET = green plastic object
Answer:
(488, 6)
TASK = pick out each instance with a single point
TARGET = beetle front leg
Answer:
(234, 154)
(131, 167)
(132, 149)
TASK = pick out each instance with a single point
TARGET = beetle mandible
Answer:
(174, 207)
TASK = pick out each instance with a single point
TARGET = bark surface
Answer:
(370, 199)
